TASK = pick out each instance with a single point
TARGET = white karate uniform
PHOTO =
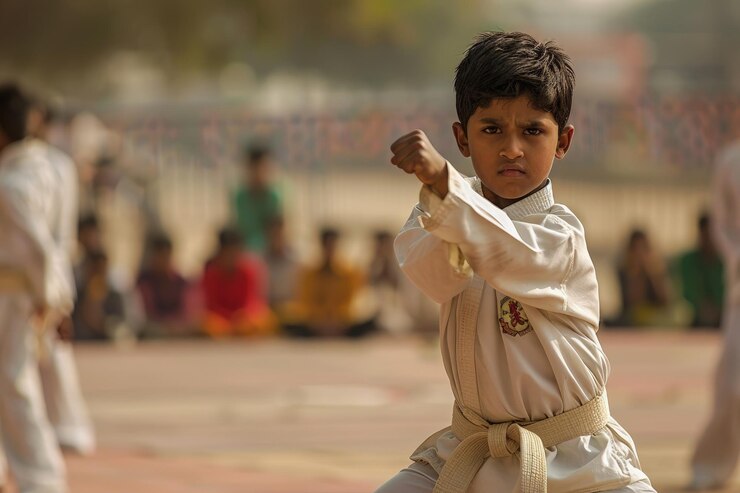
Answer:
(65, 404)
(718, 449)
(32, 276)
(518, 321)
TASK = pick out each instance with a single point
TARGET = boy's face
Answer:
(512, 146)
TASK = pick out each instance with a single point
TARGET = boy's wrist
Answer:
(440, 185)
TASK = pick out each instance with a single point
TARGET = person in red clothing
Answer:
(234, 291)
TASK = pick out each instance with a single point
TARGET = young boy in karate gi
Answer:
(517, 288)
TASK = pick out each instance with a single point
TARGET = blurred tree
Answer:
(67, 43)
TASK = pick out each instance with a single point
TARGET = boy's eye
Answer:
(533, 131)
(491, 130)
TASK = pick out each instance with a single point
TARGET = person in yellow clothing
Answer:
(326, 297)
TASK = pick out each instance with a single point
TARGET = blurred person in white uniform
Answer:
(35, 293)
(718, 449)
(65, 404)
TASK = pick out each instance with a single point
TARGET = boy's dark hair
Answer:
(508, 65)
(14, 106)
(229, 237)
(256, 153)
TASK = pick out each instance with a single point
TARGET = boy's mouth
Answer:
(512, 170)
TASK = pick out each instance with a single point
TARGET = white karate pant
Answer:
(27, 438)
(65, 405)
(718, 449)
(420, 478)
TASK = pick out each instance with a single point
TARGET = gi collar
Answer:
(538, 203)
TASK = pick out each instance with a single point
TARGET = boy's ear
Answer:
(461, 138)
(564, 140)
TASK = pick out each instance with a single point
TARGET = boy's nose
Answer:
(512, 149)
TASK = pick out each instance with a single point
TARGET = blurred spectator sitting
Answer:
(281, 265)
(234, 290)
(89, 238)
(99, 312)
(166, 295)
(700, 276)
(645, 287)
(119, 307)
(385, 277)
(327, 296)
(257, 201)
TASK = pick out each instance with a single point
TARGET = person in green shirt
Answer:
(257, 201)
(701, 276)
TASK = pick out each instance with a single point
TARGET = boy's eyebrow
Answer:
(529, 123)
(533, 123)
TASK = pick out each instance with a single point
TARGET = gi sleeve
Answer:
(544, 264)
(431, 263)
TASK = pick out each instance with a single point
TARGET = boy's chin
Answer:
(505, 196)
(513, 193)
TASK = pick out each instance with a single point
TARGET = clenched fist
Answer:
(414, 154)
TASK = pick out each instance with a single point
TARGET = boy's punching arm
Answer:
(430, 262)
(543, 264)
(533, 263)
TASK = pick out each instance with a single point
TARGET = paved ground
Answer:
(323, 417)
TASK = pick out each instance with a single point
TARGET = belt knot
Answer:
(481, 440)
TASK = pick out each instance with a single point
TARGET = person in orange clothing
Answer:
(326, 297)
(234, 291)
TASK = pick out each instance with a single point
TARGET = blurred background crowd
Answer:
(233, 156)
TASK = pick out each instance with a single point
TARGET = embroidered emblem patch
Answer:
(512, 318)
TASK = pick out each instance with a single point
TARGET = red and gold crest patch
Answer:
(512, 318)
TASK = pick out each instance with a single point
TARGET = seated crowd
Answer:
(687, 291)
(243, 293)
(239, 293)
